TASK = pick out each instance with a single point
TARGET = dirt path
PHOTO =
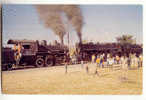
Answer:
(54, 81)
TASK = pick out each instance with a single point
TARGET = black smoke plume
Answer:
(51, 16)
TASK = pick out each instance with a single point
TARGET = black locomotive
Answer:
(33, 53)
(85, 51)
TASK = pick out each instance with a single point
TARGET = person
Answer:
(108, 58)
(122, 61)
(19, 48)
(111, 62)
(66, 65)
(135, 60)
(132, 60)
(17, 55)
(102, 60)
(82, 63)
(117, 59)
(74, 59)
(98, 61)
(93, 58)
(140, 60)
(87, 69)
(108, 55)
(124, 67)
(96, 72)
(67, 58)
(97, 65)
(14, 47)
(129, 62)
(105, 61)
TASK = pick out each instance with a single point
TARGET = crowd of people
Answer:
(108, 60)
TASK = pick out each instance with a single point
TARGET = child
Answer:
(87, 69)
(98, 61)
(98, 64)
(66, 68)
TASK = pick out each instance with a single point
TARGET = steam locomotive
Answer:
(33, 53)
(85, 51)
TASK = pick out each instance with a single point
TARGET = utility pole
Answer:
(68, 37)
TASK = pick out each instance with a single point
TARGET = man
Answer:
(132, 60)
(108, 58)
(117, 59)
(140, 60)
(66, 67)
(102, 60)
(67, 62)
(129, 62)
(93, 58)
(111, 62)
(135, 59)
(125, 62)
(82, 64)
(124, 67)
(17, 49)
(97, 65)
(108, 55)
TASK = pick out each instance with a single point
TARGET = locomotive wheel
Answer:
(39, 62)
(49, 61)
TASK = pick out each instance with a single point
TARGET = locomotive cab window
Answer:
(26, 46)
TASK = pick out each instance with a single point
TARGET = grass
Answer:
(54, 81)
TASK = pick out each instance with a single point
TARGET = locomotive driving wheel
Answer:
(49, 61)
(39, 62)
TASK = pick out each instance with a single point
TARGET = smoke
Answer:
(74, 15)
(52, 19)
(51, 16)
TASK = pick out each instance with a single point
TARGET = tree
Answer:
(124, 39)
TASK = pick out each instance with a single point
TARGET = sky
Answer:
(102, 23)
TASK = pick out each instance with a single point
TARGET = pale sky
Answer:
(102, 23)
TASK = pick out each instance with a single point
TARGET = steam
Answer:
(74, 15)
(52, 19)
(51, 16)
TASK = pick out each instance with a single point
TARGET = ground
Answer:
(53, 80)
